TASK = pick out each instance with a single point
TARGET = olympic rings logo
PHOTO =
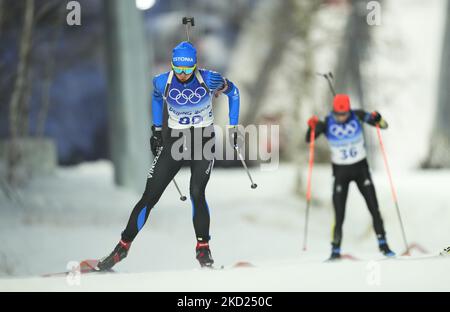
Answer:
(187, 95)
(341, 131)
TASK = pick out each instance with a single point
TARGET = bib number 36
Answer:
(351, 152)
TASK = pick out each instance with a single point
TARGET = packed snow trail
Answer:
(302, 274)
(262, 226)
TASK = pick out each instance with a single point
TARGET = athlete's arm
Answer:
(157, 102)
(372, 119)
(232, 92)
(219, 84)
(320, 128)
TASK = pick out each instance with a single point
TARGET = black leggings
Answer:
(163, 170)
(343, 175)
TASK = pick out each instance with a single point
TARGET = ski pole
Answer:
(254, 185)
(182, 197)
(188, 22)
(328, 77)
(308, 188)
(393, 191)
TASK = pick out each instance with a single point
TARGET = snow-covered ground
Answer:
(79, 214)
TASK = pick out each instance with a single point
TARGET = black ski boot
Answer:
(118, 254)
(384, 247)
(203, 254)
(335, 252)
(445, 252)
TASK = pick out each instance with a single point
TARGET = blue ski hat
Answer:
(184, 55)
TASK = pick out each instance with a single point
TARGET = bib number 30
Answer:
(188, 121)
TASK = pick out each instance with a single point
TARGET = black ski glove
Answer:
(156, 141)
(376, 116)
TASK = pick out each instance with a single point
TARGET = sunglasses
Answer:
(186, 70)
(341, 114)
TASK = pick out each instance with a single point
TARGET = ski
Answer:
(349, 257)
(411, 258)
(343, 257)
(85, 267)
(236, 265)
(385, 258)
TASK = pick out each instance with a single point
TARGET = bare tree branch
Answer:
(46, 8)
(1, 15)
(48, 74)
(20, 86)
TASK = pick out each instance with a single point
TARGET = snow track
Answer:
(302, 274)
(262, 226)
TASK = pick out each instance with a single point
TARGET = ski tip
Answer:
(89, 265)
(85, 266)
(415, 246)
(55, 274)
(243, 264)
(342, 257)
(349, 257)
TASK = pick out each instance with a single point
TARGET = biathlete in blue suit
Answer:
(188, 93)
(343, 128)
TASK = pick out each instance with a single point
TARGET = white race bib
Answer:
(346, 141)
(189, 105)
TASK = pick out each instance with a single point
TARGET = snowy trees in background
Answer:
(270, 61)
(50, 68)
(354, 51)
(439, 155)
(274, 64)
(21, 154)
(351, 77)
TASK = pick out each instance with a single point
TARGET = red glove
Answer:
(376, 116)
(312, 122)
